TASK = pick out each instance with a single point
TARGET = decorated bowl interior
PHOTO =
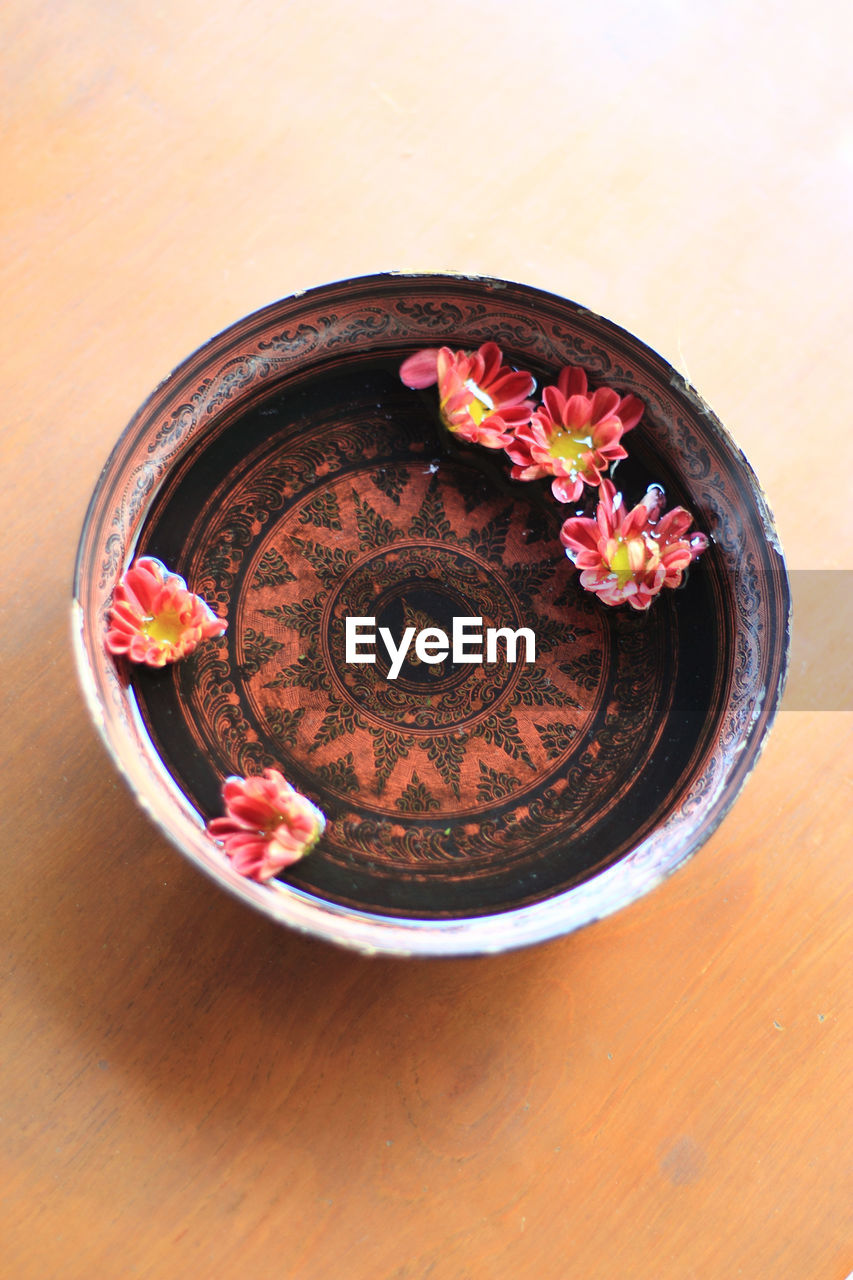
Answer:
(287, 473)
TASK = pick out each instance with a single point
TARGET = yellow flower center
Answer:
(620, 565)
(165, 628)
(562, 444)
(481, 404)
(620, 561)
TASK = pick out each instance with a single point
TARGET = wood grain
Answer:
(190, 1091)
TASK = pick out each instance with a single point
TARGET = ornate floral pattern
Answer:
(468, 766)
(409, 567)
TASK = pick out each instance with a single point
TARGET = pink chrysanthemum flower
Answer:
(154, 618)
(482, 399)
(630, 556)
(268, 825)
(573, 436)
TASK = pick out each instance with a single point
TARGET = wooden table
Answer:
(190, 1091)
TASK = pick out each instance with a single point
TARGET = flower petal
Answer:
(510, 387)
(578, 412)
(421, 369)
(605, 402)
(572, 381)
(154, 618)
(492, 360)
(630, 412)
(580, 532)
(268, 824)
(565, 489)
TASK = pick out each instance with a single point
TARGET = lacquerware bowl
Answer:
(290, 477)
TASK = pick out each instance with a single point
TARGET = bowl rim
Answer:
(605, 892)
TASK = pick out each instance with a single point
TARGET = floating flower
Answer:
(630, 556)
(482, 399)
(154, 618)
(573, 436)
(268, 825)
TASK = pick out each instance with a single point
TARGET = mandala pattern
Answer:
(481, 765)
(411, 568)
